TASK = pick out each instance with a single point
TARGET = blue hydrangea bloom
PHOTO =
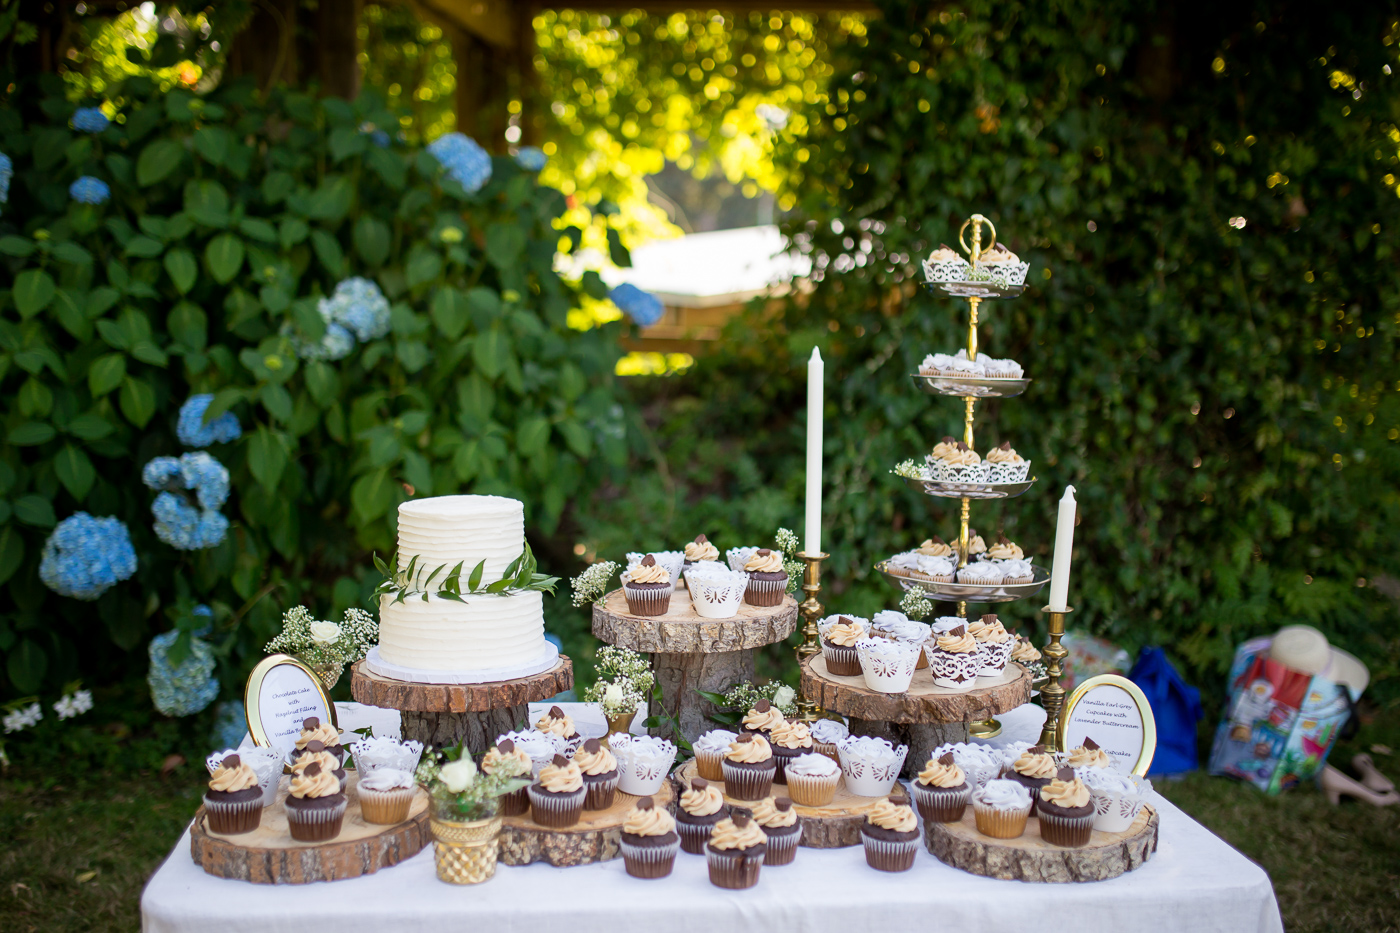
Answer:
(86, 556)
(194, 432)
(530, 158)
(335, 345)
(185, 528)
(89, 190)
(359, 307)
(230, 724)
(90, 120)
(203, 612)
(198, 471)
(188, 688)
(7, 172)
(464, 160)
(642, 307)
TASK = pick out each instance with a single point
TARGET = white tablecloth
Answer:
(1194, 882)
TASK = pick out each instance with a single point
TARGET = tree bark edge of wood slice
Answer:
(1029, 858)
(384, 692)
(683, 631)
(223, 857)
(595, 838)
(836, 826)
(850, 696)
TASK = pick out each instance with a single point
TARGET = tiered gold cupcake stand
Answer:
(269, 854)
(690, 652)
(445, 714)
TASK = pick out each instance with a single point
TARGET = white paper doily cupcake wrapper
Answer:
(942, 471)
(376, 752)
(715, 595)
(1004, 273)
(995, 656)
(888, 666)
(953, 671)
(1007, 472)
(947, 270)
(642, 763)
(867, 774)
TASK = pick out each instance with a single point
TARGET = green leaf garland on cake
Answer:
(418, 581)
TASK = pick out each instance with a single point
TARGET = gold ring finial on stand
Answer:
(976, 249)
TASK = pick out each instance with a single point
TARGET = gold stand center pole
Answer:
(1052, 695)
(811, 608)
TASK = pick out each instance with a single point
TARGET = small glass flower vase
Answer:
(621, 723)
(328, 671)
(465, 852)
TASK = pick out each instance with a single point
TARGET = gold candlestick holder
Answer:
(811, 608)
(1052, 695)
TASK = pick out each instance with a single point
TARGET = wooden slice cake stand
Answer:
(925, 716)
(1030, 858)
(594, 838)
(269, 854)
(832, 826)
(443, 714)
(691, 652)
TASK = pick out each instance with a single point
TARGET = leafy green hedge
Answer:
(229, 216)
(1223, 395)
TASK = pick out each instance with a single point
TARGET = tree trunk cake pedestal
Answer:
(833, 826)
(690, 652)
(1030, 858)
(594, 838)
(269, 854)
(924, 717)
(444, 714)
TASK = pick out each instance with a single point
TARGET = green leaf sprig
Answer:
(521, 575)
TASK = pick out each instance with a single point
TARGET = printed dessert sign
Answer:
(281, 693)
(1113, 712)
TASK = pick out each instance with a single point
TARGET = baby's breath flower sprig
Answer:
(591, 586)
(915, 603)
(909, 469)
(786, 542)
(342, 642)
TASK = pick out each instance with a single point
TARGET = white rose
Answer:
(613, 694)
(325, 633)
(458, 774)
(784, 696)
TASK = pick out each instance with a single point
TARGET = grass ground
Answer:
(78, 849)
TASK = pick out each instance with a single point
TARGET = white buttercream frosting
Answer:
(812, 765)
(386, 779)
(462, 529)
(482, 632)
(716, 741)
(829, 731)
(1003, 795)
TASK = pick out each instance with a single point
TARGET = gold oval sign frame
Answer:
(1144, 709)
(252, 696)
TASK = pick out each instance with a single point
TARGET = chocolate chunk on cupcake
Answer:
(749, 767)
(648, 588)
(1065, 810)
(649, 840)
(781, 826)
(838, 639)
(600, 774)
(941, 790)
(556, 799)
(233, 802)
(768, 580)
(736, 850)
(314, 730)
(701, 806)
(891, 835)
(1034, 769)
(315, 806)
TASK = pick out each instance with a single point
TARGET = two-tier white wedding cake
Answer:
(427, 637)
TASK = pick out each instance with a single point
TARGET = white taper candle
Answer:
(816, 374)
(1064, 547)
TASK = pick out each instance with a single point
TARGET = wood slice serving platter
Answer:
(923, 702)
(832, 826)
(443, 714)
(594, 838)
(1030, 858)
(690, 652)
(269, 854)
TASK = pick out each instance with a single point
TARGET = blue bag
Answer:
(1176, 706)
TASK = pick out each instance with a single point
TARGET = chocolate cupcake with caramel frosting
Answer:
(649, 840)
(648, 588)
(941, 790)
(839, 635)
(781, 826)
(316, 752)
(701, 806)
(768, 581)
(749, 767)
(735, 851)
(556, 799)
(1066, 811)
(314, 730)
(516, 802)
(763, 718)
(788, 740)
(891, 835)
(600, 775)
(698, 550)
(315, 806)
(233, 802)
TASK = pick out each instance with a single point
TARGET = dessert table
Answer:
(1195, 881)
